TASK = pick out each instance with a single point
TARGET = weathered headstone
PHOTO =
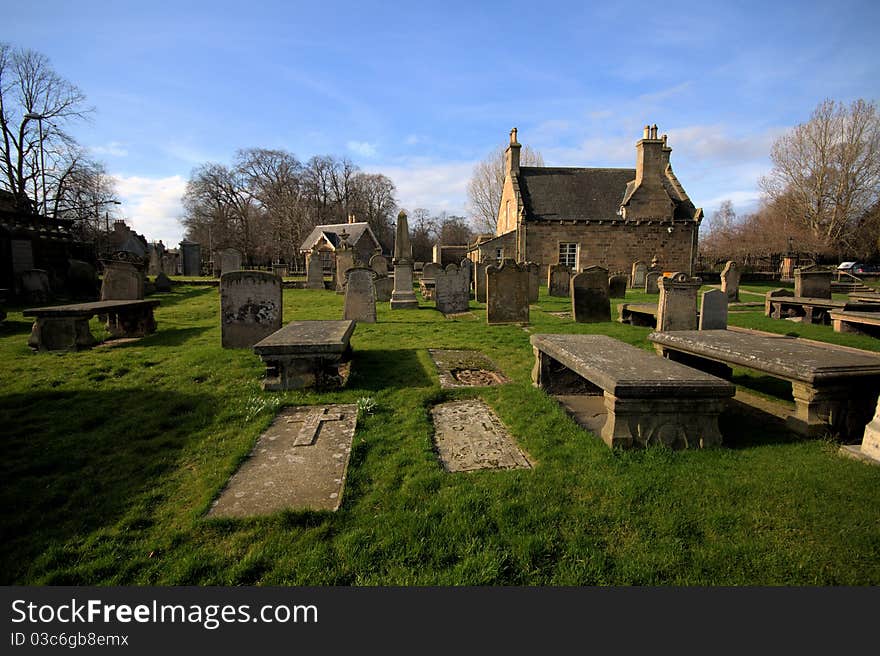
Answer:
(559, 280)
(468, 267)
(314, 271)
(384, 288)
(713, 310)
(590, 302)
(451, 290)
(480, 282)
(35, 286)
(403, 297)
(871, 438)
(426, 283)
(677, 307)
(617, 286)
(637, 277)
(250, 307)
(82, 279)
(230, 260)
(360, 295)
(507, 293)
(379, 264)
(534, 281)
(162, 283)
(122, 281)
(155, 265)
(191, 258)
(812, 284)
(730, 281)
(651, 284)
(344, 262)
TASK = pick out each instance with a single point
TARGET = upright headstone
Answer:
(590, 302)
(384, 287)
(637, 277)
(82, 279)
(250, 307)
(379, 264)
(617, 286)
(191, 258)
(812, 284)
(451, 290)
(651, 284)
(122, 281)
(162, 283)
(468, 267)
(360, 295)
(730, 281)
(559, 280)
(314, 270)
(426, 282)
(534, 281)
(230, 260)
(35, 286)
(713, 310)
(480, 282)
(344, 262)
(155, 265)
(507, 292)
(403, 297)
(677, 307)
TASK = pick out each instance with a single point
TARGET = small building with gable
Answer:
(328, 238)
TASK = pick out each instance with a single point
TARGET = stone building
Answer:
(606, 217)
(329, 237)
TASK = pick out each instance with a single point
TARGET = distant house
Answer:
(328, 238)
(595, 216)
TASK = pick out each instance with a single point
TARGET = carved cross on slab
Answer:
(312, 423)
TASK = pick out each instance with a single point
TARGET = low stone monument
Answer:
(651, 284)
(507, 293)
(384, 286)
(812, 284)
(250, 307)
(403, 297)
(590, 302)
(637, 277)
(534, 281)
(480, 282)
(558, 280)
(230, 260)
(774, 294)
(713, 310)
(360, 295)
(677, 307)
(314, 271)
(730, 281)
(617, 286)
(122, 281)
(451, 290)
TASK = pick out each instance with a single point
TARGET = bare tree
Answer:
(35, 106)
(372, 200)
(487, 183)
(827, 170)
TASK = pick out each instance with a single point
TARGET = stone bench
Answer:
(861, 323)
(638, 314)
(306, 354)
(66, 327)
(648, 400)
(834, 389)
(813, 310)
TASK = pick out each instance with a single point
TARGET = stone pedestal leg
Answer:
(675, 423)
(61, 334)
(843, 410)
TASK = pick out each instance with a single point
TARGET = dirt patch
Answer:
(464, 368)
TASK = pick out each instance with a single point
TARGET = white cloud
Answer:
(152, 206)
(113, 148)
(362, 148)
(435, 187)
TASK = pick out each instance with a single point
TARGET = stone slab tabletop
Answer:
(627, 371)
(785, 357)
(642, 308)
(83, 309)
(865, 317)
(867, 306)
(307, 338)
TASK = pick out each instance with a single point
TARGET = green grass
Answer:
(111, 458)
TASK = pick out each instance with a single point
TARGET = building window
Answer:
(499, 254)
(568, 254)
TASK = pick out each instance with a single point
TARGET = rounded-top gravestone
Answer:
(590, 301)
(250, 307)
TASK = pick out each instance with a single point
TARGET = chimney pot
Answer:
(647, 134)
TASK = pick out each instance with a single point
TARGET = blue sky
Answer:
(422, 91)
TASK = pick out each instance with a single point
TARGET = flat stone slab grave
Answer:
(470, 436)
(299, 463)
(465, 369)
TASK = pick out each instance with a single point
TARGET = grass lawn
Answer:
(111, 458)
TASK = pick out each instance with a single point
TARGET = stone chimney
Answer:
(351, 218)
(647, 197)
(649, 158)
(511, 155)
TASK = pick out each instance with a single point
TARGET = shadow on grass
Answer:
(15, 327)
(177, 296)
(77, 463)
(376, 370)
(743, 426)
(776, 387)
(163, 337)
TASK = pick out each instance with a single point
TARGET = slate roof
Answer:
(331, 232)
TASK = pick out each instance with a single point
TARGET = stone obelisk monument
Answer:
(403, 297)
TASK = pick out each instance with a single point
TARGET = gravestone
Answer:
(360, 295)
(451, 290)
(162, 283)
(122, 281)
(230, 260)
(589, 295)
(507, 292)
(468, 267)
(617, 286)
(812, 284)
(384, 288)
(379, 264)
(637, 277)
(480, 282)
(534, 281)
(82, 279)
(713, 310)
(870, 446)
(426, 283)
(730, 281)
(403, 297)
(677, 307)
(250, 307)
(558, 280)
(155, 265)
(191, 258)
(35, 286)
(314, 271)
(651, 284)
(344, 262)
